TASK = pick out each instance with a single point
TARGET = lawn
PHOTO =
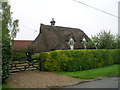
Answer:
(108, 71)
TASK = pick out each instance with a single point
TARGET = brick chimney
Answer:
(52, 22)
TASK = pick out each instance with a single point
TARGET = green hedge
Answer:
(77, 60)
(18, 55)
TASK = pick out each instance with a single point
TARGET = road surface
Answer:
(107, 82)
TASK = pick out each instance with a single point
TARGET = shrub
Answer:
(18, 55)
(77, 60)
(36, 56)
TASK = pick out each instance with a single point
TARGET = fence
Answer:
(18, 65)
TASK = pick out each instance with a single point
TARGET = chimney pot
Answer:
(52, 22)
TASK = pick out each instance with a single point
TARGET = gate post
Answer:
(28, 54)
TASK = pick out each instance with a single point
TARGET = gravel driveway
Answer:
(37, 79)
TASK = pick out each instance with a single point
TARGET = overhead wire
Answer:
(80, 3)
(28, 27)
(97, 9)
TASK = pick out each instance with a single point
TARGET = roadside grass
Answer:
(108, 71)
(5, 86)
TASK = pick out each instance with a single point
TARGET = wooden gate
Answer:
(17, 66)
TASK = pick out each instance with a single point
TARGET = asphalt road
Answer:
(111, 82)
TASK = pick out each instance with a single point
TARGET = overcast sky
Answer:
(67, 13)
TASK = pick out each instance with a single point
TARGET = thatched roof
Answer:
(56, 38)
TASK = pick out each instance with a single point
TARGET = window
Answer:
(71, 43)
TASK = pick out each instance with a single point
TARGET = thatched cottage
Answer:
(53, 37)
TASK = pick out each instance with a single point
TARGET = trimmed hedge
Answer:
(78, 60)
(19, 55)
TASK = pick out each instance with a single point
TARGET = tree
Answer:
(117, 41)
(90, 45)
(104, 40)
(9, 30)
(9, 26)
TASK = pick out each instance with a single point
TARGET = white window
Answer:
(71, 43)
(84, 42)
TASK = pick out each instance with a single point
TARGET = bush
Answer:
(36, 56)
(18, 55)
(77, 60)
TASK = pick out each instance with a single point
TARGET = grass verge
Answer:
(108, 71)
(4, 86)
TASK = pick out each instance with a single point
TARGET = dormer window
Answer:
(71, 43)
(84, 42)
